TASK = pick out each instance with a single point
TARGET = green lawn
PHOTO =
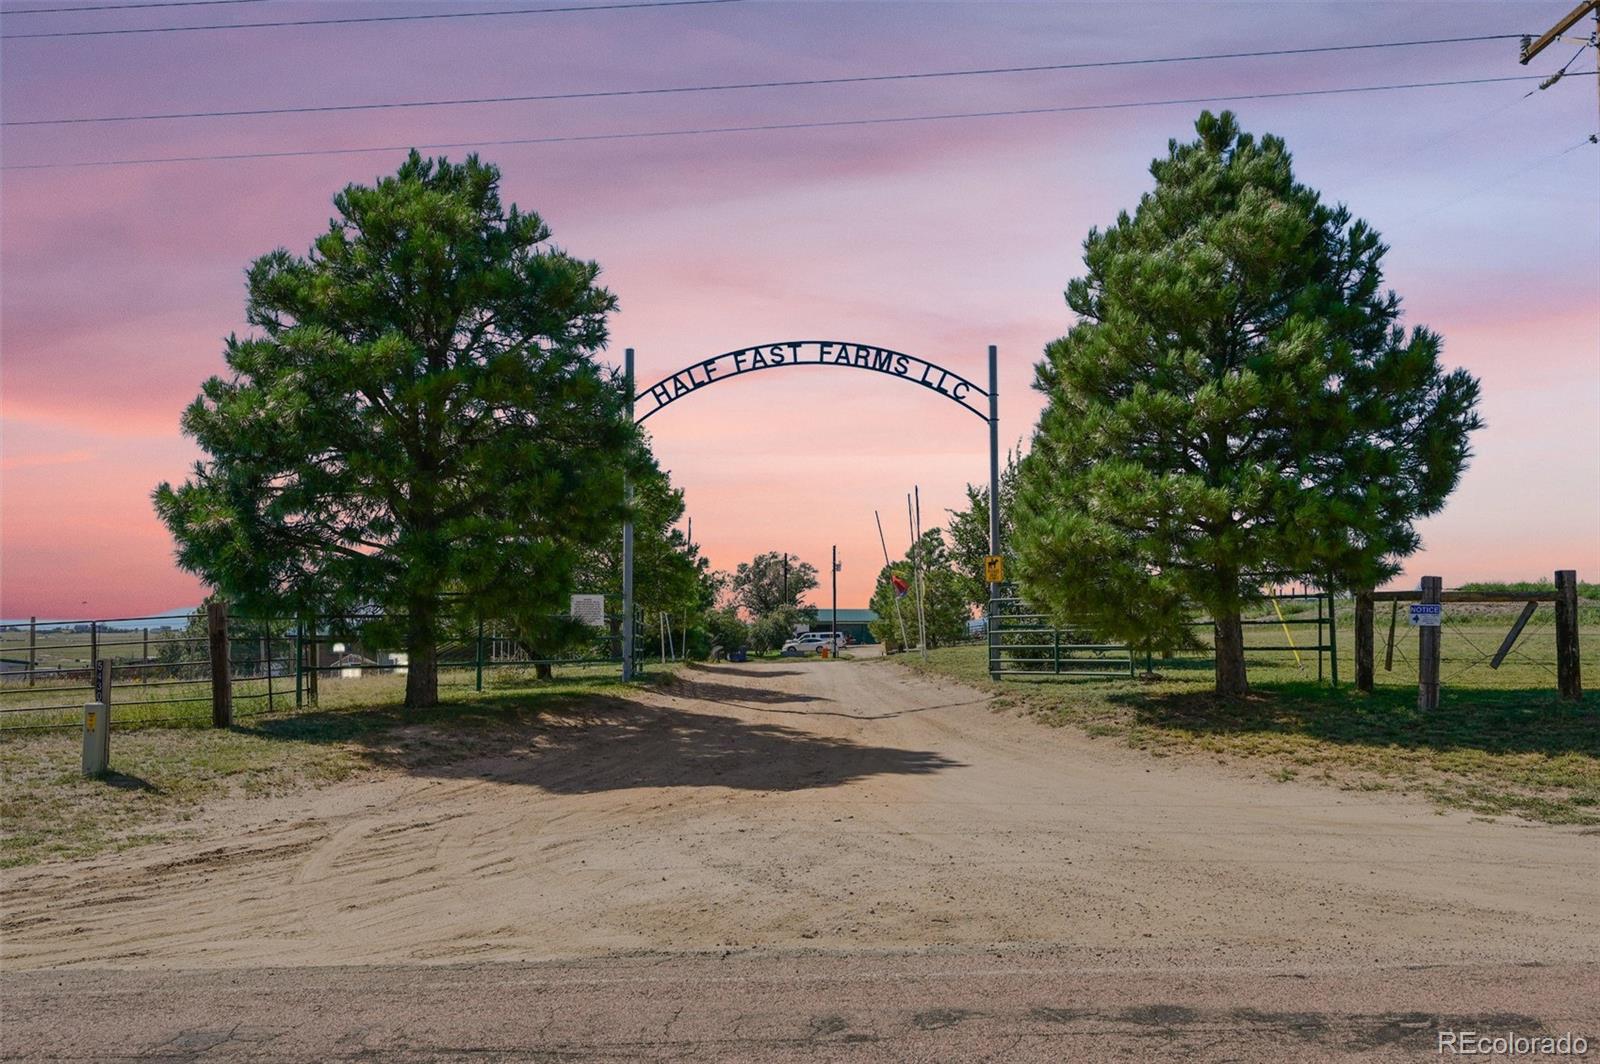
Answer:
(1500, 743)
(164, 775)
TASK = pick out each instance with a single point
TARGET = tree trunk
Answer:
(422, 653)
(542, 671)
(1229, 638)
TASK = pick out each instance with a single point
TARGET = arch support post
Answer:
(994, 499)
(627, 540)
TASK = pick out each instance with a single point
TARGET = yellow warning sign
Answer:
(994, 568)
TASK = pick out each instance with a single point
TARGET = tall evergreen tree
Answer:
(418, 424)
(969, 532)
(1237, 404)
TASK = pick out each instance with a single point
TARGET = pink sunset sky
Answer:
(934, 238)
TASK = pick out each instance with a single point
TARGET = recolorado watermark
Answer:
(1485, 1044)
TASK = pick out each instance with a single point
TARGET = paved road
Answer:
(822, 860)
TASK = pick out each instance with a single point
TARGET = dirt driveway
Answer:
(813, 809)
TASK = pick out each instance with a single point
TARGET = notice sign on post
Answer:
(590, 610)
(1427, 615)
(994, 569)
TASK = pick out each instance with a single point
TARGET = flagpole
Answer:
(894, 592)
(916, 574)
(922, 581)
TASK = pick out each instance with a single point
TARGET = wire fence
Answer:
(162, 672)
(1309, 636)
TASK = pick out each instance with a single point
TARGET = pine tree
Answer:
(969, 533)
(1236, 405)
(418, 425)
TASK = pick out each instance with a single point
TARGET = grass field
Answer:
(1500, 743)
(164, 775)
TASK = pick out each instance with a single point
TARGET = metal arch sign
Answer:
(730, 364)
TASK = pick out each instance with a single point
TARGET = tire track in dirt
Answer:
(832, 805)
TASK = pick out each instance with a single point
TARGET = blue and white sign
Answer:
(1427, 615)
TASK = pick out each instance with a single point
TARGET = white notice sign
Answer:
(1427, 615)
(590, 610)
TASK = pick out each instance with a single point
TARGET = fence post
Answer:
(1055, 640)
(1388, 654)
(1321, 642)
(221, 668)
(266, 652)
(1569, 671)
(1333, 639)
(479, 654)
(1428, 648)
(33, 643)
(94, 644)
(1364, 641)
(314, 673)
(299, 661)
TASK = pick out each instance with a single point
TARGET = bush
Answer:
(724, 629)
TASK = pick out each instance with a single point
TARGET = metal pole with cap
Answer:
(627, 536)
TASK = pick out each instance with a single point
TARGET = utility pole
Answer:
(1531, 47)
(835, 636)
(627, 538)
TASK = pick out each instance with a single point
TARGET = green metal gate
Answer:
(1026, 642)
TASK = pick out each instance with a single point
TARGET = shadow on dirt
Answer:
(623, 746)
(690, 686)
(599, 743)
(1510, 721)
(743, 670)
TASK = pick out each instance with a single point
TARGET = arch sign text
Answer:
(936, 378)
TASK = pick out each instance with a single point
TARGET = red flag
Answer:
(900, 586)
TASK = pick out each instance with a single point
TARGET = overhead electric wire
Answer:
(854, 79)
(4, 11)
(353, 19)
(768, 127)
(1478, 190)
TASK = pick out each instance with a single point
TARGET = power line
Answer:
(7, 12)
(767, 127)
(1593, 138)
(366, 18)
(736, 86)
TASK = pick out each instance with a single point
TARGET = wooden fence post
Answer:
(1388, 654)
(33, 647)
(314, 676)
(1333, 639)
(1428, 648)
(1569, 672)
(221, 666)
(1364, 641)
